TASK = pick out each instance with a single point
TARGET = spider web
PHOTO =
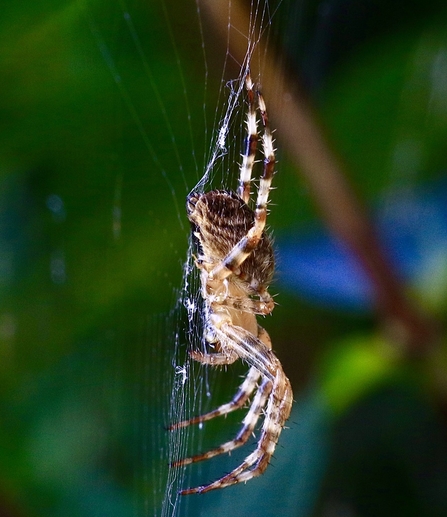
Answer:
(192, 386)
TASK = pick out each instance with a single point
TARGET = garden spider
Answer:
(236, 263)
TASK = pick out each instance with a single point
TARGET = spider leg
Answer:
(263, 306)
(248, 158)
(251, 349)
(244, 391)
(214, 358)
(277, 412)
(263, 336)
(241, 396)
(248, 425)
(239, 399)
(276, 386)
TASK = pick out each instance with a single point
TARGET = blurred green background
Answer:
(106, 113)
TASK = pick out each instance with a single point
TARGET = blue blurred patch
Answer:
(411, 225)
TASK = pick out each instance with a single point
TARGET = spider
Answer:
(236, 263)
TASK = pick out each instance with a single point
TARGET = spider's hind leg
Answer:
(248, 423)
(248, 426)
(278, 410)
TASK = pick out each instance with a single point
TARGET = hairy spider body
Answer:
(220, 220)
(236, 262)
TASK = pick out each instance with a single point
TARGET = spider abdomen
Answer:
(220, 219)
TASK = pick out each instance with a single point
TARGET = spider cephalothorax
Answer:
(236, 263)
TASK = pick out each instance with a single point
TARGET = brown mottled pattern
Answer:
(222, 220)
